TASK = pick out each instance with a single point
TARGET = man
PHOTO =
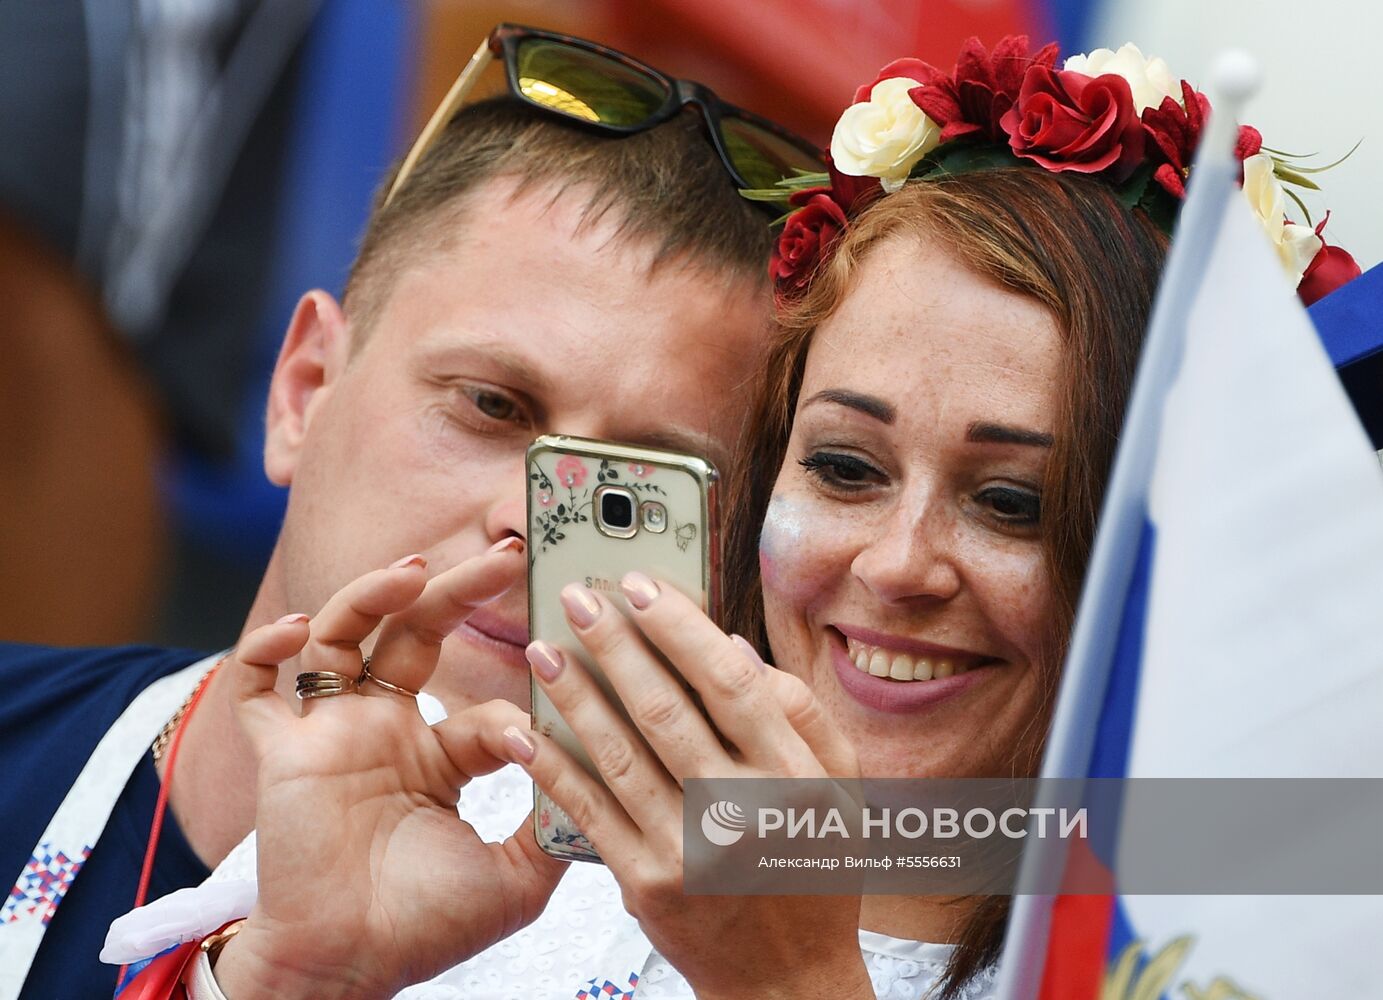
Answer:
(529, 278)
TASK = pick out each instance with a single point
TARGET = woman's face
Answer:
(902, 568)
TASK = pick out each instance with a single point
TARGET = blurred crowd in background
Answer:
(174, 173)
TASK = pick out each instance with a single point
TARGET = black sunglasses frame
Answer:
(503, 43)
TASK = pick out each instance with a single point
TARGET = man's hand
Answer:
(368, 880)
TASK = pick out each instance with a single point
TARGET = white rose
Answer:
(885, 136)
(1296, 245)
(1149, 79)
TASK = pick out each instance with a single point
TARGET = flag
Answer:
(1229, 625)
(1350, 323)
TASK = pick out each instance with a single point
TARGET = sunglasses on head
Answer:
(608, 91)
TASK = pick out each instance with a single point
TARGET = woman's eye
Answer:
(1012, 506)
(495, 405)
(841, 471)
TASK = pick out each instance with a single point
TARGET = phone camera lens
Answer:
(616, 510)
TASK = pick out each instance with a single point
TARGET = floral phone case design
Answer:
(597, 510)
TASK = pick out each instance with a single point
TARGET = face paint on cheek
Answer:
(783, 555)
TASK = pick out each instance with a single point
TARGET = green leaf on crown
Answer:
(1280, 159)
(774, 196)
(1133, 190)
(1141, 192)
(962, 158)
(1300, 204)
(788, 186)
(1289, 176)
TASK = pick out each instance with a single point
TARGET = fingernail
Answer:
(640, 590)
(582, 607)
(520, 745)
(512, 542)
(547, 662)
(413, 560)
(747, 648)
(291, 620)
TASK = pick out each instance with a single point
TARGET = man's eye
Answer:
(1011, 505)
(842, 471)
(495, 405)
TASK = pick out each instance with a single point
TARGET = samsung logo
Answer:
(600, 583)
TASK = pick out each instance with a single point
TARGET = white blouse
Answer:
(585, 941)
(584, 946)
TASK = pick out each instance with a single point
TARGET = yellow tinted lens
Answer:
(762, 157)
(586, 85)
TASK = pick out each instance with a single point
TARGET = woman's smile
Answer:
(894, 674)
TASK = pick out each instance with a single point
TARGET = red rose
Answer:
(809, 232)
(1328, 270)
(805, 240)
(1069, 121)
(985, 85)
(1174, 130)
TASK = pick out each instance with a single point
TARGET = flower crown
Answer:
(1119, 116)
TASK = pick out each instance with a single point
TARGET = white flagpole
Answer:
(1214, 180)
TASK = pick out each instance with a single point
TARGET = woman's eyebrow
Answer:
(871, 406)
(984, 433)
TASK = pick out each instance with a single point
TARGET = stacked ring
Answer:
(365, 675)
(324, 684)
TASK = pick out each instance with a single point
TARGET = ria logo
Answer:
(723, 823)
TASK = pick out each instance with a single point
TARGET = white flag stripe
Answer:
(1262, 655)
(1268, 579)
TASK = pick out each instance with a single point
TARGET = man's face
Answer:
(416, 444)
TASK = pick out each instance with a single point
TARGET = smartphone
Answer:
(597, 510)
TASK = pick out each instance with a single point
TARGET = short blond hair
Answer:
(666, 187)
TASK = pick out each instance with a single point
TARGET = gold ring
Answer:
(323, 684)
(365, 675)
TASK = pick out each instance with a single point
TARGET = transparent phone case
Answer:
(565, 546)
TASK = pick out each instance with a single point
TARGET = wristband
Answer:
(199, 978)
(200, 981)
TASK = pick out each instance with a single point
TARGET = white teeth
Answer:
(900, 666)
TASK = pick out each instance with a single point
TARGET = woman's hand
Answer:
(766, 724)
(368, 880)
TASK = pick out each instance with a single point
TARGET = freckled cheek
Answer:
(1018, 589)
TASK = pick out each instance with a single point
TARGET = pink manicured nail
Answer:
(520, 745)
(291, 619)
(512, 542)
(747, 649)
(546, 661)
(582, 607)
(413, 560)
(640, 590)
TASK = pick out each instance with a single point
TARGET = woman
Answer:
(916, 511)
(944, 406)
